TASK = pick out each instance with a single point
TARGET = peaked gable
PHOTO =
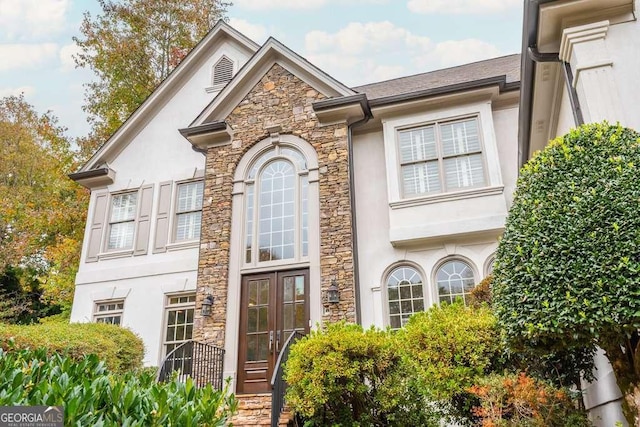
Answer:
(125, 133)
(272, 52)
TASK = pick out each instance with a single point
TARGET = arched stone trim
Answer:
(488, 265)
(237, 266)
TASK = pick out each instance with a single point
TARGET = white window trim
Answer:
(443, 261)
(119, 253)
(100, 314)
(165, 318)
(173, 245)
(482, 110)
(426, 294)
(173, 223)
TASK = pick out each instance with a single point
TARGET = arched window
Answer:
(405, 295)
(454, 280)
(222, 71)
(276, 220)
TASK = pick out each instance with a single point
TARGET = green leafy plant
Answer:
(448, 348)
(121, 349)
(349, 376)
(566, 276)
(92, 395)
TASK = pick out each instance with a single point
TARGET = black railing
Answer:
(200, 361)
(278, 384)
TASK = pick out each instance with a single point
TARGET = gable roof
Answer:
(272, 52)
(124, 132)
(490, 70)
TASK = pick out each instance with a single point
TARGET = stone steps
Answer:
(255, 410)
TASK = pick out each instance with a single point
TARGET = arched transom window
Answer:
(454, 280)
(276, 221)
(405, 294)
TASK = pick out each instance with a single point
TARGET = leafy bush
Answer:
(349, 376)
(481, 294)
(91, 395)
(517, 400)
(566, 273)
(120, 348)
(448, 348)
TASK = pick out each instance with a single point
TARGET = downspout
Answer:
(537, 57)
(354, 227)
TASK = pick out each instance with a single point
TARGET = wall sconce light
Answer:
(206, 305)
(333, 293)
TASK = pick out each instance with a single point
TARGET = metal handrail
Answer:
(278, 384)
(200, 361)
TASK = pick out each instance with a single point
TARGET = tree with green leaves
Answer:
(43, 212)
(131, 47)
(566, 276)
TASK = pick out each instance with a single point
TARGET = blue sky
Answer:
(356, 41)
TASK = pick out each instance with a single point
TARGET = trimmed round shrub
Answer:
(345, 375)
(121, 349)
(567, 272)
(449, 347)
(567, 268)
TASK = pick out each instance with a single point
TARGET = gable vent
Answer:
(222, 71)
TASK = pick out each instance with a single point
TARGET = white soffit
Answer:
(558, 15)
(272, 52)
(127, 131)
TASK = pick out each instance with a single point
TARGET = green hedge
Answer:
(121, 349)
(93, 396)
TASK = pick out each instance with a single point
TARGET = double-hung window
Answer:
(122, 221)
(188, 211)
(441, 157)
(109, 312)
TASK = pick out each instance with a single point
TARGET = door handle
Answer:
(270, 341)
(277, 341)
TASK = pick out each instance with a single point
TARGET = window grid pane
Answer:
(109, 312)
(404, 295)
(276, 227)
(454, 280)
(121, 235)
(190, 196)
(188, 226)
(179, 324)
(441, 157)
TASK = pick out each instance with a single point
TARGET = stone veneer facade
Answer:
(278, 99)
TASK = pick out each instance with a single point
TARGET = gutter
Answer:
(93, 173)
(530, 56)
(352, 197)
(501, 81)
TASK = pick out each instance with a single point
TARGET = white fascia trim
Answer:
(220, 30)
(270, 53)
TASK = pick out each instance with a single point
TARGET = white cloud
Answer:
(255, 32)
(296, 4)
(30, 19)
(15, 91)
(456, 52)
(461, 6)
(66, 55)
(364, 38)
(365, 52)
(18, 56)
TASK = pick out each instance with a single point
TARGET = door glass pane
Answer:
(287, 316)
(300, 317)
(288, 289)
(299, 288)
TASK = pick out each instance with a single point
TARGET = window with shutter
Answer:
(441, 157)
(222, 71)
